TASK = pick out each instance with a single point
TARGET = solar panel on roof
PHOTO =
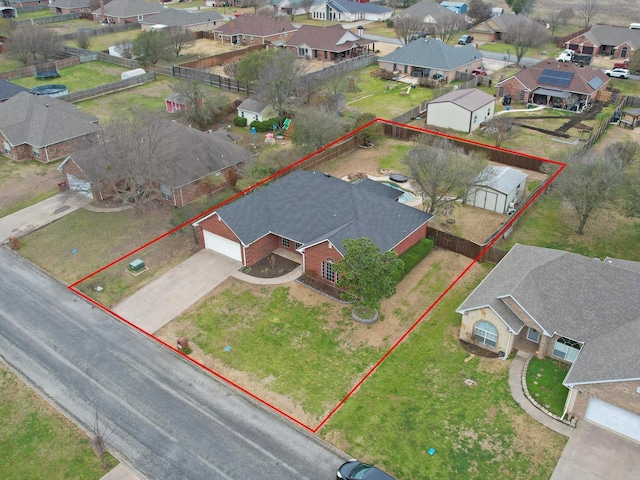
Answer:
(558, 78)
(595, 82)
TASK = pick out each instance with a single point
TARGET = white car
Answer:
(618, 73)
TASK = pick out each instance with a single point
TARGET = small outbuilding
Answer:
(255, 110)
(462, 110)
(500, 190)
(132, 73)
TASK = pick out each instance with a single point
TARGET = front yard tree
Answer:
(479, 10)
(151, 47)
(521, 7)
(523, 34)
(588, 9)
(447, 27)
(407, 27)
(314, 128)
(203, 108)
(180, 38)
(442, 172)
(589, 184)
(500, 129)
(367, 275)
(278, 80)
(305, 5)
(634, 63)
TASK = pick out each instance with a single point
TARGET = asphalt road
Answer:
(169, 419)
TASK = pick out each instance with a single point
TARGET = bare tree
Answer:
(479, 11)
(587, 10)
(589, 184)
(99, 440)
(314, 128)
(634, 63)
(305, 5)
(521, 7)
(126, 49)
(553, 20)
(442, 173)
(231, 69)
(566, 14)
(267, 11)
(500, 129)
(48, 43)
(83, 40)
(631, 194)
(269, 162)
(203, 108)
(20, 44)
(523, 34)
(278, 80)
(447, 26)
(180, 38)
(409, 28)
(623, 152)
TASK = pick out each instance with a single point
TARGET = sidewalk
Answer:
(515, 384)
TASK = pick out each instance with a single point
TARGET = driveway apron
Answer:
(159, 302)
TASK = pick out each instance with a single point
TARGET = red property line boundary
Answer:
(294, 166)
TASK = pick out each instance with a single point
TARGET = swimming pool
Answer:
(406, 197)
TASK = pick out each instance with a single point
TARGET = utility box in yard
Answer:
(136, 266)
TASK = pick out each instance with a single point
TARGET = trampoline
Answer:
(47, 71)
(50, 90)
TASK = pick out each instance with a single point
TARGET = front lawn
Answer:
(79, 77)
(544, 381)
(38, 442)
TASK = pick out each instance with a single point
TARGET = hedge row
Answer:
(414, 255)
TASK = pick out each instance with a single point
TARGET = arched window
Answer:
(623, 52)
(486, 334)
(566, 349)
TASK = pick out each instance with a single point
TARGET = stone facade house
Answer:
(43, 128)
(619, 42)
(581, 311)
(311, 213)
(554, 84)
(327, 44)
(254, 30)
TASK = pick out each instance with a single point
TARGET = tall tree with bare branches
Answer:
(587, 10)
(407, 28)
(523, 34)
(447, 26)
(180, 38)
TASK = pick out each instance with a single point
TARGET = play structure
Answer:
(47, 71)
(50, 90)
(286, 125)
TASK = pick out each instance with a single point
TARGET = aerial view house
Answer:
(462, 110)
(62, 7)
(427, 57)
(555, 84)
(329, 44)
(255, 110)
(581, 311)
(346, 11)
(293, 7)
(254, 30)
(432, 13)
(125, 11)
(491, 30)
(499, 189)
(8, 90)
(43, 128)
(619, 42)
(203, 164)
(194, 21)
(311, 213)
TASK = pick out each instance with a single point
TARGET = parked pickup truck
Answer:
(569, 56)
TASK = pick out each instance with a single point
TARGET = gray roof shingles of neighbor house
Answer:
(434, 54)
(41, 121)
(72, 3)
(183, 18)
(128, 8)
(427, 8)
(331, 38)
(311, 207)
(8, 90)
(356, 7)
(585, 299)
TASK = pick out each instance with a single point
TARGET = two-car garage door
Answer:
(614, 418)
(222, 245)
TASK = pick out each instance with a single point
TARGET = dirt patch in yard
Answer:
(20, 182)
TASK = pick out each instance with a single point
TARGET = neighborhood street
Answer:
(167, 418)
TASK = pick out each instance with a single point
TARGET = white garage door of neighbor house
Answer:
(79, 185)
(613, 418)
(222, 245)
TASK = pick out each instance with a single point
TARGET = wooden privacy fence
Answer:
(221, 58)
(31, 70)
(468, 248)
(109, 88)
(105, 30)
(45, 20)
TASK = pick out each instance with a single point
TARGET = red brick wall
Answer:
(261, 248)
(53, 152)
(314, 256)
(411, 240)
(513, 87)
(620, 394)
(214, 225)
(71, 168)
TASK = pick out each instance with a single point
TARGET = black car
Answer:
(355, 470)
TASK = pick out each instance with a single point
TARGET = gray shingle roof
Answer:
(258, 26)
(610, 35)
(434, 54)
(184, 18)
(310, 207)
(355, 7)
(251, 105)
(427, 8)
(128, 8)
(41, 121)
(8, 89)
(470, 99)
(581, 298)
(331, 38)
(71, 3)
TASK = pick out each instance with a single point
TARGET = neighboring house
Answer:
(290, 7)
(619, 42)
(43, 128)
(195, 21)
(254, 30)
(432, 13)
(125, 11)
(491, 30)
(462, 110)
(578, 310)
(63, 7)
(329, 44)
(499, 190)
(456, 7)
(555, 84)
(346, 11)
(8, 90)
(203, 164)
(311, 213)
(255, 110)
(426, 57)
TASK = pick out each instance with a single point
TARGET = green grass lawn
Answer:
(544, 381)
(79, 77)
(417, 400)
(38, 442)
(101, 43)
(35, 15)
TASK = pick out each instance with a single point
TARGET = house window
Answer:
(566, 349)
(285, 242)
(36, 152)
(533, 335)
(302, 51)
(244, 38)
(165, 192)
(298, 245)
(501, 92)
(328, 271)
(488, 111)
(140, 18)
(623, 52)
(486, 334)
(251, 39)
(7, 148)
(475, 118)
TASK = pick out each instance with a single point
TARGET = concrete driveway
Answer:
(594, 453)
(157, 303)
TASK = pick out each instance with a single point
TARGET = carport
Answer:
(545, 96)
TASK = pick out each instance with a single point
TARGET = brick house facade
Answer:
(254, 30)
(617, 42)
